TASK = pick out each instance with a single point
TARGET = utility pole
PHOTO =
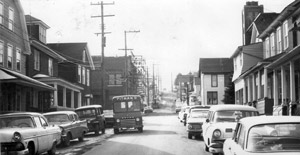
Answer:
(148, 89)
(126, 62)
(103, 44)
(153, 84)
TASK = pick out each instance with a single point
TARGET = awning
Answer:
(8, 76)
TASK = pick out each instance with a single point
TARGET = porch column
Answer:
(244, 94)
(253, 88)
(292, 86)
(64, 97)
(275, 87)
(283, 84)
(265, 82)
(72, 98)
(249, 89)
(259, 85)
(79, 99)
(55, 95)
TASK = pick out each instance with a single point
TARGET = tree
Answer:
(229, 94)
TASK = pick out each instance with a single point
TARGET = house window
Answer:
(214, 80)
(267, 44)
(42, 34)
(111, 79)
(11, 19)
(36, 60)
(118, 79)
(83, 56)
(279, 46)
(272, 40)
(285, 35)
(79, 74)
(50, 67)
(212, 98)
(9, 56)
(115, 79)
(1, 53)
(1, 12)
(83, 75)
(18, 59)
(87, 77)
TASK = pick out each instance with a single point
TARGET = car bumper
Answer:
(216, 147)
(16, 152)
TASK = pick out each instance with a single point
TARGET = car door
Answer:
(42, 135)
(206, 124)
(238, 143)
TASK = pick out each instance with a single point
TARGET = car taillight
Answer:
(17, 137)
(217, 133)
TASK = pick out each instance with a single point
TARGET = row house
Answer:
(113, 81)
(215, 76)
(68, 73)
(272, 85)
(17, 91)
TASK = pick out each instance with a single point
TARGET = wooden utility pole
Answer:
(103, 44)
(148, 88)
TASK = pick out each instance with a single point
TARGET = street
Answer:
(163, 135)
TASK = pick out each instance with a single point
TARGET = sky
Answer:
(174, 34)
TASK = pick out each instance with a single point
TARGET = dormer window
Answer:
(42, 34)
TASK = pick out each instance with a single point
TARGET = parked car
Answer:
(109, 118)
(181, 113)
(265, 135)
(188, 110)
(148, 109)
(94, 116)
(71, 126)
(195, 120)
(220, 123)
(27, 133)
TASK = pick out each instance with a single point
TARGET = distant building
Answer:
(215, 75)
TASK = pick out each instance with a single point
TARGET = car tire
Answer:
(116, 131)
(103, 130)
(53, 149)
(81, 138)
(140, 129)
(190, 136)
(31, 149)
(97, 130)
(67, 140)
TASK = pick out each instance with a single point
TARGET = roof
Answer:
(215, 65)
(200, 107)
(19, 114)
(111, 63)
(263, 20)
(231, 107)
(30, 19)
(251, 121)
(89, 106)
(59, 112)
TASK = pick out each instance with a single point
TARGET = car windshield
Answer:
(232, 115)
(274, 138)
(127, 106)
(16, 122)
(58, 118)
(86, 112)
(199, 113)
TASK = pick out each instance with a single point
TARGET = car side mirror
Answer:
(207, 120)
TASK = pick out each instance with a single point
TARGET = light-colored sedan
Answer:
(220, 124)
(265, 135)
(195, 120)
(27, 133)
(71, 126)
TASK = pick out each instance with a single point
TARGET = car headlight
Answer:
(190, 126)
(17, 137)
(137, 119)
(217, 133)
(117, 120)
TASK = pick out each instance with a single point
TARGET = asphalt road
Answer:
(163, 135)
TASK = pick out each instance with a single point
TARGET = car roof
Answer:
(256, 120)
(231, 107)
(20, 114)
(59, 112)
(200, 106)
(89, 106)
(126, 96)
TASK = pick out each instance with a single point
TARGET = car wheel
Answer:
(30, 148)
(190, 135)
(67, 140)
(116, 131)
(81, 138)
(140, 129)
(53, 149)
(97, 129)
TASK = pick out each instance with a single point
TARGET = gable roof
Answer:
(111, 63)
(215, 65)
(32, 20)
(263, 20)
(72, 51)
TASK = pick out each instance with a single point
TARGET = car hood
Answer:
(63, 124)
(195, 120)
(6, 134)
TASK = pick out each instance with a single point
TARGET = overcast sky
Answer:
(173, 33)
